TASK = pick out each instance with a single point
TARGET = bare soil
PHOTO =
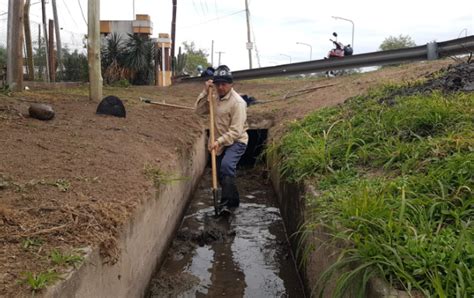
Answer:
(73, 181)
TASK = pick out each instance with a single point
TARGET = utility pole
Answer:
(58, 34)
(249, 41)
(45, 33)
(93, 50)
(40, 67)
(212, 53)
(15, 45)
(29, 46)
(220, 57)
(52, 60)
(173, 35)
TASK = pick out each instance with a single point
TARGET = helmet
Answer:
(223, 75)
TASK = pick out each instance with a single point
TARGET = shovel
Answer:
(215, 193)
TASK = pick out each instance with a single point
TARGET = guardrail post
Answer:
(432, 48)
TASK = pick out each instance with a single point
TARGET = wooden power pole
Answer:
(45, 33)
(15, 45)
(52, 58)
(58, 34)
(173, 34)
(29, 46)
(93, 51)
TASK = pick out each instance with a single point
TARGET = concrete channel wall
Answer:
(292, 202)
(143, 242)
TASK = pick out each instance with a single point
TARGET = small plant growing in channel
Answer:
(158, 177)
(38, 281)
(60, 259)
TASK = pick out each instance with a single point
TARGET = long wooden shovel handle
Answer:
(212, 136)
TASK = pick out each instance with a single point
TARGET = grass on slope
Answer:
(396, 180)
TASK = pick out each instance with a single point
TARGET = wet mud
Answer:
(243, 254)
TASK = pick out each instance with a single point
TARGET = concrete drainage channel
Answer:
(242, 255)
(245, 254)
(142, 243)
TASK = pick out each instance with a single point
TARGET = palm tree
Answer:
(139, 58)
(113, 59)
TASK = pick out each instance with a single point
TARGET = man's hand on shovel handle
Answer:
(214, 146)
(209, 84)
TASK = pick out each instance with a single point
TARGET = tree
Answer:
(113, 59)
(194, 57)
(392, 43)
(3, 56)
(76, 68)
(139, 58)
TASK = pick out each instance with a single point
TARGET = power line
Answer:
(202, 7)
(215, 19)
(82, 12)
(256, 49)
(215, 8)
(194, 6)
(70, 14)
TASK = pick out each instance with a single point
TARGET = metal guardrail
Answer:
(429, 51)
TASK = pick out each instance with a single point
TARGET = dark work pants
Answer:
(227, 161)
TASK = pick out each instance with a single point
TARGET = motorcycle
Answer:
(339, 51)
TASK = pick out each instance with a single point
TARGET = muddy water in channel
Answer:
(245, 254)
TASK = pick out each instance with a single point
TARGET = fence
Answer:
(72, 44)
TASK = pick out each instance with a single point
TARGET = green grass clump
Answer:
(397, 183)
(39, 281)
(158, 176)
(59, 258)
(31, 243)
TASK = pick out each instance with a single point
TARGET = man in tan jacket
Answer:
(231, 131)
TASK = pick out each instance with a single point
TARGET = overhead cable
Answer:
(212, 20)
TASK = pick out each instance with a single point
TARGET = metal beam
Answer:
(418, 53)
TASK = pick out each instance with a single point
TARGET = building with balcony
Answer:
(141, 25)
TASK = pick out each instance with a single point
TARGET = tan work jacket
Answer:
(230, 117)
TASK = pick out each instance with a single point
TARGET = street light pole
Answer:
(310, 49)
(249, 41)
(344, 19)
(286, 56)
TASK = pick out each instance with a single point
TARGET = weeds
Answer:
(31, 243)
(61, 259)
(62, 184)
(39, 281)
(158, 177)
(397, 184)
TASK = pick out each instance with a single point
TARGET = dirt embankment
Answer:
(73, 181)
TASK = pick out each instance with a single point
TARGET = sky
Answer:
(281, 30)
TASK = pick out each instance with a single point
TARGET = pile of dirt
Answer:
(74, 181)
(454, 78)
